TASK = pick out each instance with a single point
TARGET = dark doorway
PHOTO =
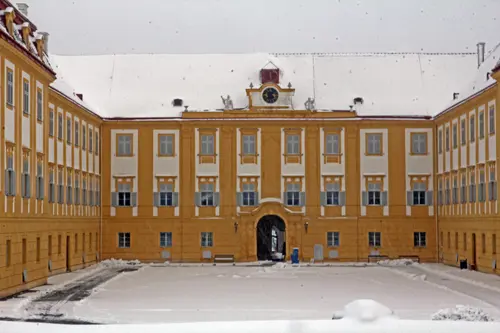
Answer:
(68, 253)
(271, 238)
(474, 262)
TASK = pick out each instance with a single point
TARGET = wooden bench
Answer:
(413, 258)
(224, 258)
(377, 258)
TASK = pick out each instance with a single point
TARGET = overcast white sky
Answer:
(242, 26)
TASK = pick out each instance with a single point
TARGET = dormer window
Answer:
(270, 76)
(177, 102)
(358, 100)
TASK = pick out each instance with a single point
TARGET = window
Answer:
(447, 139)
(456, 240)
(91, 191)
(472, 129)
(333, 238)
(77, 190)
(463, 135)
(374, 143)
(124, 240)
(52, 189)
(374, 191)
(166, 194)
(482, 187)
(440, 192)
(49, 246)
(37, 249)
(26, 97)
(492, 185)
(465, 241)
(440, 141)
(293, 144)
(91, 143)
(39, 181)
(447, 192)
(165, 239)
(59, 126)
(68, 130)
(77, 133)
(84, 191)
(483, 243)
(124, 142)
(248, 195)
(374, 239)
(332, 144)
(455, 136)
(472, 187)
(166, 144)
(97, 192)
(69, 190)
(24, 253)
(419, 143)
(207, 194)
(455, 190)
(419, 193)
(492, 119)
(206, 239)
(90, 241)
(59, 244)
(51, 123)
(96, 143)
(494, 244)
(84, 137)
(332, 194)
(207, 144)
(8, 253)
(419, 239)
(481, 125)
(25, 179)
(249, 144)
(449, 240)
(10, 86)
(39, 105)
(441, 239)
(463, 192)
(293, 194)
(124, 195)
(83, 241)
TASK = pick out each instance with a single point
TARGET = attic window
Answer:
(358, 100)
(177, 102)
(270, 75)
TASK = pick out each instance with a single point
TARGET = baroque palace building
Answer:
(186, 157)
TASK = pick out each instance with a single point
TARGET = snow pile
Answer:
(280, 265)
(462, 313)
(365, 310)
(396, 262)
(119, 262)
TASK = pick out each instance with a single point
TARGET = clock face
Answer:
(270, 95)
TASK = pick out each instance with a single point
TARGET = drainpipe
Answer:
(435, 188)
(100, 194)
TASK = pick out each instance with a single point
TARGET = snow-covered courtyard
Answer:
(175, 293)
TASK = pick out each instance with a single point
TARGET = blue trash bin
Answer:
(295, 255)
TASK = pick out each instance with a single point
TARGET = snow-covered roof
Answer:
(479, 80)
(145, 85)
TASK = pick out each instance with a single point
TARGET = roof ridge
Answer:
(369, 53)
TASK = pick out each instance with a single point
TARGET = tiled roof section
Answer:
(18, 39)
(394, 84)
(481, 80)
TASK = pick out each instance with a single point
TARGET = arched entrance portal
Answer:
(271, 238)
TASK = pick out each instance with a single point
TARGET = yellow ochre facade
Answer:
(251, 183)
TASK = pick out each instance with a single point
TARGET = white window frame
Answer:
(333, 238)
(374, 239)
(332, 194)
(481, 125)
(419, 193)
(463, 131)
(472, 129)
(491, 118)
(293, 144)
(419, 239)
(374, 194)
(9, 77)
(374, 143)
(39, 104)
(419, 143)
(124, 240)
(165, 239)
(124, 145)
(249, 144)
(207, 195)
(207, 144)
(332, 144)
(248, 195)
(166, 145)
(124, 194)
(293, 194)
(207, 239)
(166, 195)
(26, 96)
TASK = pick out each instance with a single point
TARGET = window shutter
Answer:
(471, 187)
(409, 198)
(23, 194)
(37, 188)
(341, 198)
(483, 192)
(42, 188)
(156, 199)
(239, 199)
(429, 198)
(302, 199)
(133, 199)
(216, 198)
(474, 193)
(323, 198)
(175, 199)
(197, 199)
(490, 191)
(256, 195)
(28, 186)
(494, 192)
(13, 183)
(284, 198)
(114, 199)
(383, 198)
(364, 198)
(7, 183)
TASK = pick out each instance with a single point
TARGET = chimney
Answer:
(23, 8)
(480, 53)
(80, 96)
(455, 95)
(45, 37)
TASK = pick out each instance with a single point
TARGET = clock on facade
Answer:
(270, 95)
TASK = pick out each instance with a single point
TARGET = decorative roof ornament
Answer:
(310, 104)
(251, 85)
(228, 102)
(289, 85)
